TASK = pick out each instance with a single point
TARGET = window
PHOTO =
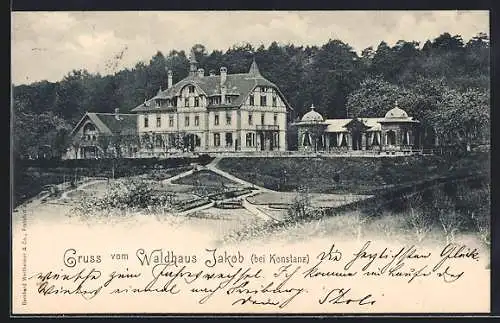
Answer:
(191, 89)
(263, 100)
(275, 101)
(146, 121)
(228, 99)
(228, 118)
(216, 120)
(158, 103)
(275, 119)
(186, 102)
(214, 100)
(263, 89)
(186, 121)
(158, 121)
(251, 99)
(250, 120)
(229, 139)
(169, 103)
(158, 141)
(197, 102)
(196, 120)
(216, 139)
(262, 118)
(250, 139)
(171, 121)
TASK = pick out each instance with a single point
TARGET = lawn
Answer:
(355, 175)
(206, 178)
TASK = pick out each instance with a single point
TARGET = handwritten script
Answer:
(274, 280)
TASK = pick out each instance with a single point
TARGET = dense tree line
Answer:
(445, 83)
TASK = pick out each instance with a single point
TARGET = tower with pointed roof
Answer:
(254, 69)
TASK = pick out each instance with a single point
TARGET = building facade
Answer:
(396, 131)
(104, 135)
(214, 113)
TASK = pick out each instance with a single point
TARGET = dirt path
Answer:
(64, 195)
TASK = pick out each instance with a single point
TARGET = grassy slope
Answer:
(355, 175)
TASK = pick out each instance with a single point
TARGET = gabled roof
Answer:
(339, 125)
(108, 123)
(125, 124)
(240, 85)
(336, 125)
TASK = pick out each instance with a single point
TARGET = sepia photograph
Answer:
(250, 162)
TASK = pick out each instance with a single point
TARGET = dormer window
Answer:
(214, 100)
(228, 99)
(275, 101)
(263, 89)
(191, 89)
(169, 103)
(196, 101)
(186, 102)
(251, 99)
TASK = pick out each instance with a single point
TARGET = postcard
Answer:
(250, 162)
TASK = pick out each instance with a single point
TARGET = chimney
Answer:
(223, 94)
(201, 72)
(211, 73)
(192, 63)
(169, 73)
(223, 74)
(117, 114)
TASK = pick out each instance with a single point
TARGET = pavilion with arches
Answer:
(395, 132)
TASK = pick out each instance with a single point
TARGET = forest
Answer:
(444, 83)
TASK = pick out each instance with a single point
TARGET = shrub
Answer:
(127, 194)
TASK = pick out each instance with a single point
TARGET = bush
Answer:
(127, 194)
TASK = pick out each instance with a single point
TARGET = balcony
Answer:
(268, 127)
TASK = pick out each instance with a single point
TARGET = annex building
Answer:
(99, 135)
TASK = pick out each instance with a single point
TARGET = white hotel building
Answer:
(214, 113)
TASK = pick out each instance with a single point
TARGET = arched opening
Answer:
(319, 143)
(306, 139)
(406, 138)
(343, 140)
(332, 139)
(375, 139)
(356, 140)
(391, 138)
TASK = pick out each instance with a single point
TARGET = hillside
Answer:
(352, 175)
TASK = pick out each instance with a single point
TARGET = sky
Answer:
(48, 45)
